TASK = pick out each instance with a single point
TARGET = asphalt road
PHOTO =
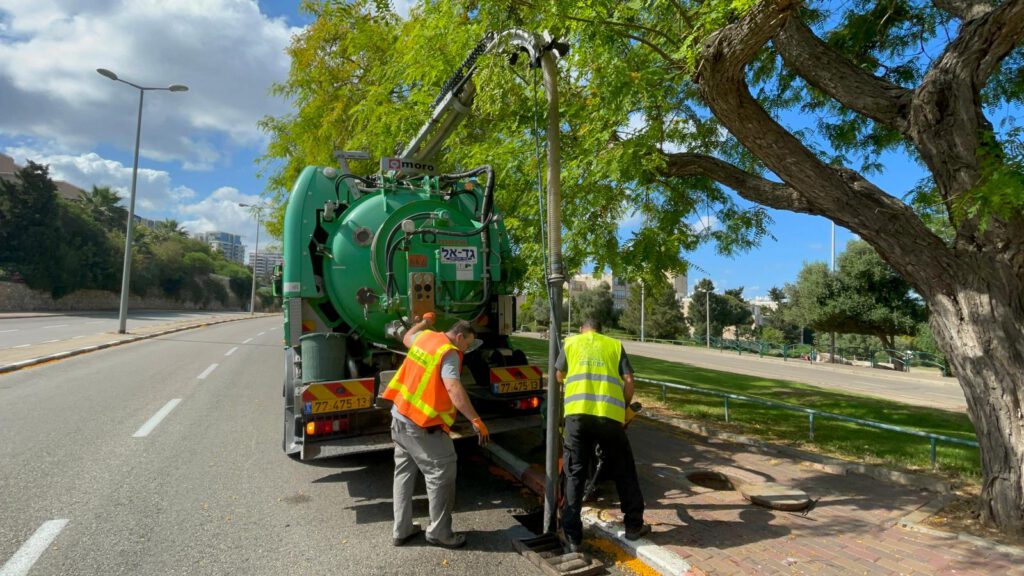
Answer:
(91, 482)
(21, 332)
(923, 390)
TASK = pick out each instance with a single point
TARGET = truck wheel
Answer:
(291, 436)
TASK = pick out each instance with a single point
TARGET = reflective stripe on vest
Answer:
(417, 388)
(592, 382)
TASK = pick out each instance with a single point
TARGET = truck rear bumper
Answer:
(331, 448)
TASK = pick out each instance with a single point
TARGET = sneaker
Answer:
(638, 533)
(416, 531)
(456, 541)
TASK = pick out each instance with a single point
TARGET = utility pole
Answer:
(832, 335)
(707, 311)
(642, 311)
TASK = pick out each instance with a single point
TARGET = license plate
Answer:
(340, 404)
(517, 386)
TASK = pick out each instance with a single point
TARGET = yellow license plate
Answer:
(518, 386)
(341, 404)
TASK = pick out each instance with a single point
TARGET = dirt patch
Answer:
(961, 515)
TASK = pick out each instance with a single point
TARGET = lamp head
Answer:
(107, 73)
(178, 88)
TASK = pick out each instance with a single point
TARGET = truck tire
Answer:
(290, 442)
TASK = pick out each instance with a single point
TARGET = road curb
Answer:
(663, 560)
(68, 353)
(915, 522)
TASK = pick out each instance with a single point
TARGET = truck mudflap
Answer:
(333, 447)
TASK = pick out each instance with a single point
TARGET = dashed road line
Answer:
(206, 372)
(247, 341)
(261, 333)
(4, 331)
(57, 326)
(152, 422)
(21, 346)
(30, 551)
(49, 341)
(232, 351)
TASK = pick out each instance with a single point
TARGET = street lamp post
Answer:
(122, 316)
(258, 209)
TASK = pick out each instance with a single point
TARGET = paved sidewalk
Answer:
(17, 358)
(852, 529)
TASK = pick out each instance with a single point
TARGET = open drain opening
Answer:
(710, 479)
(531, 520)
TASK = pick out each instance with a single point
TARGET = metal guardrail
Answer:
(934, 439)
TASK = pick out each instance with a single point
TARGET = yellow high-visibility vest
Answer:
(592, 382)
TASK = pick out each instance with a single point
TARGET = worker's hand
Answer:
(429, 318)
(481, 431)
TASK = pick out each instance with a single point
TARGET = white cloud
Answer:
(705, 224)
(226, 51)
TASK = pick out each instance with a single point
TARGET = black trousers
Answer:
(582, 433)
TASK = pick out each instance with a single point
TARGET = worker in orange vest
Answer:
(426, 391)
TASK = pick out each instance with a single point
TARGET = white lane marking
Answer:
(57, 326)
(152, 422)
(232, 351)
(49, 341)
(2, 331)
(261, 333)
(30, 551)
(21, 346)
(77, 337)
(247, 341)
(206, 372)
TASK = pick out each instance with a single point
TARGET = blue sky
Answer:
(199, 147)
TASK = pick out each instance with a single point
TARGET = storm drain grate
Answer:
(546, 553)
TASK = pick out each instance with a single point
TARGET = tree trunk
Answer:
(979, 324)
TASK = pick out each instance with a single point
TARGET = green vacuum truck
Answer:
(365, 256)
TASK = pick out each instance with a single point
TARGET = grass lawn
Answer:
(830, 436)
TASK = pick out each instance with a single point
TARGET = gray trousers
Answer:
(433, 454)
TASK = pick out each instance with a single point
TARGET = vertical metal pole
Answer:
(555, 280)
(642, 311)
(664, 393)
(832, 335)
(810, 426)
(707, 311)
(255, 260)
(726, 408)
(122, 315)
(933, 452)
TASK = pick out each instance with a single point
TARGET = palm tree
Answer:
(169, 228)
(103, 205)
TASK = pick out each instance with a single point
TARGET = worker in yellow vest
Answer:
(426, 391)
(598, 386)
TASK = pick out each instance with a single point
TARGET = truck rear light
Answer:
(530, 403)
(327, 426)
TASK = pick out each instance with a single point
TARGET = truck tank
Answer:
(364, 258)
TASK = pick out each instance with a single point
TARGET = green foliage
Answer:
(727, 309)
(866, 296)
(662, 317)
(594, 303)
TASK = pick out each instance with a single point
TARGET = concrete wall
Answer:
(17, 297)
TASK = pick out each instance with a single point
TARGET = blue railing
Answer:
(933, 439)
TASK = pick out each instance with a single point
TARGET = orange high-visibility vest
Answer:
(417, 389)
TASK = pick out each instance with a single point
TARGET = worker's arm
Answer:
(559, 375)
(460, 399)
(410, 334)
(627, 390)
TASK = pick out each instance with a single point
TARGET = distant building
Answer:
(264, 263)
(621, 288)
(229, 245)
(8, 168)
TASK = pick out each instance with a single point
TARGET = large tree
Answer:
(666, 105)
(728, 309)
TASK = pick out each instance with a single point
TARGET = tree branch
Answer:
(964, 9)
(842, 195)
(834, 74)
(640, 39)
(984, 41)
(749, 186)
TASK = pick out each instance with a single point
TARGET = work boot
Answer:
(454, 541)
(638, 533)
(573, 547)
